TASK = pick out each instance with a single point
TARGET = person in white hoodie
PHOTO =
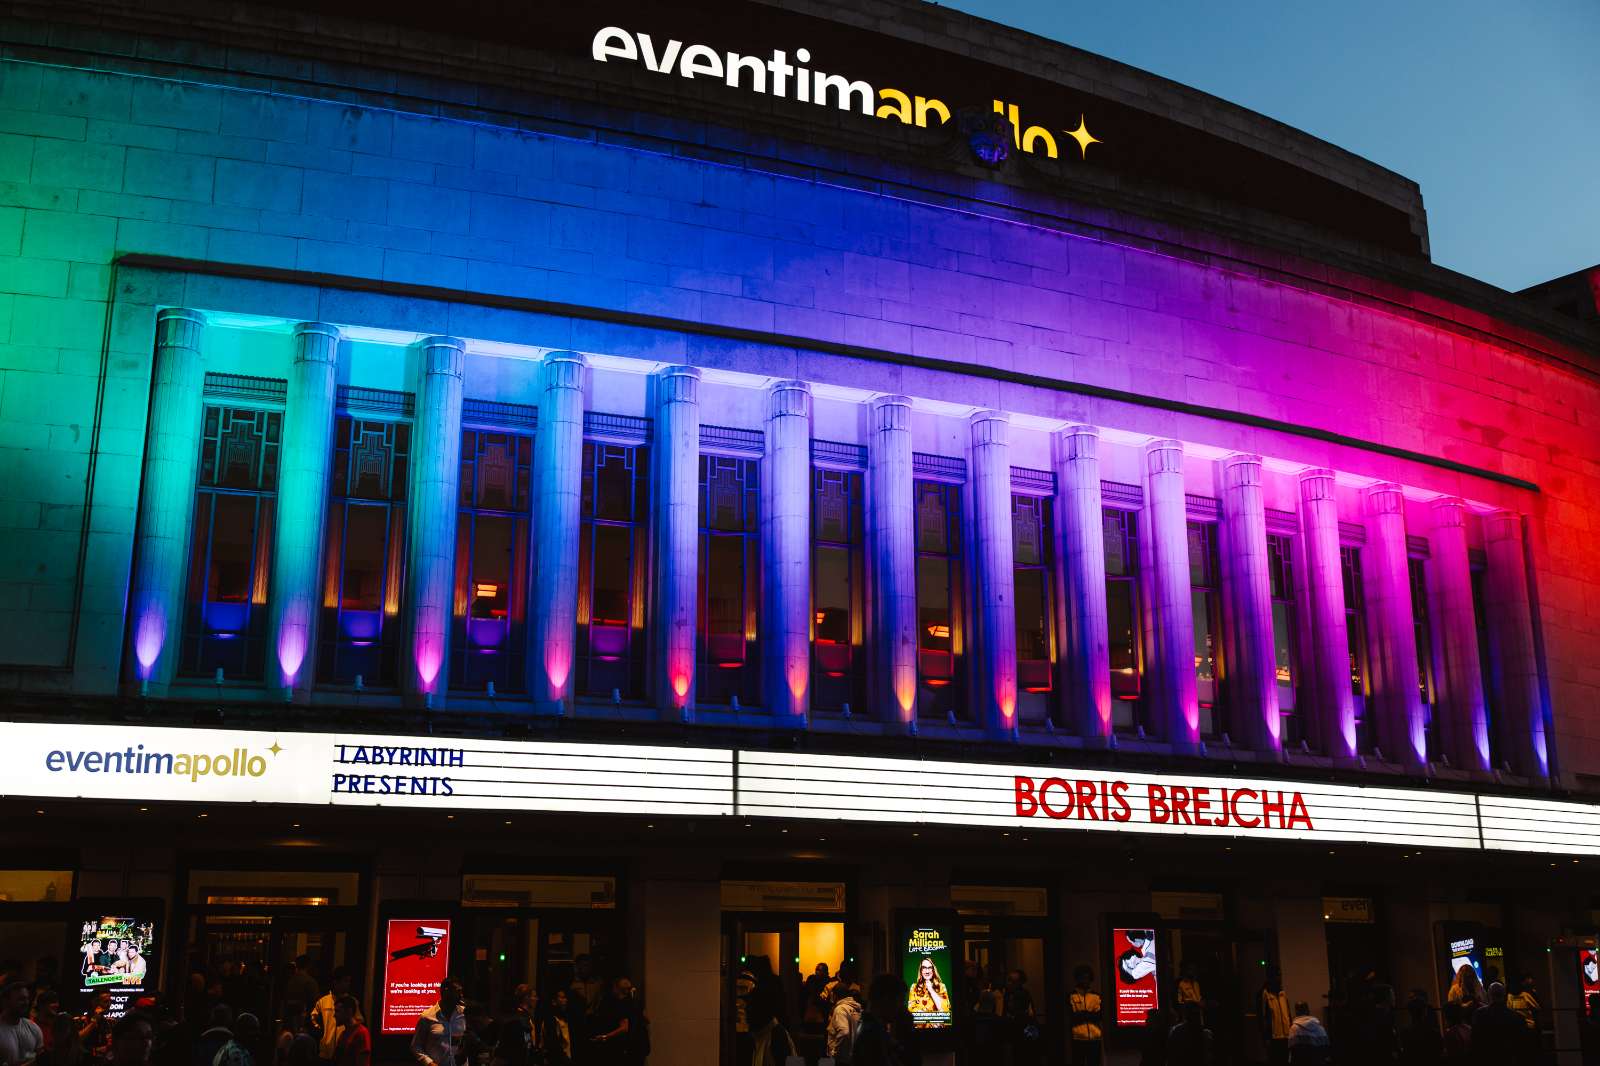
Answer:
(843, 1021)
(1308, 1040)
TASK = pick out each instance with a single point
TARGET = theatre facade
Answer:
(648, 488)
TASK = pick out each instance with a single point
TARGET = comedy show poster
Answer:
(417, 959)
(117, 956)
(1135, 953)
(925, 965)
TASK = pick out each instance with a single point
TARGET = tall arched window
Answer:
(730, 580)
(836, 589)
(612, 570)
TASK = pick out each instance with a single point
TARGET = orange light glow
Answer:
(486, 590)
(941, 632)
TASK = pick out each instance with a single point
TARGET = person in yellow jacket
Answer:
(1276, 1019)
(1087, 1045)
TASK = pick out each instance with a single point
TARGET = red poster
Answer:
(1589, 973)
(1135, 974)
(417, 960)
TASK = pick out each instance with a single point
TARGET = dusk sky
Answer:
(1493, 107)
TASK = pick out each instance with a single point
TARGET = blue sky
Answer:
(1493, 106)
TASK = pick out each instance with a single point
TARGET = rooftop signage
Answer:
(777, 76)
(116, 762)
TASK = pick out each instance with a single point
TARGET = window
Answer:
(1122, 614)
(1032, 559)
(487, 638)
(229, 563)
(730, 580)
(1424, 637)
(1355, 625)
(1280, 572)
(1206, 603)
(611, 570)
(366, 540)
(939, 633)
(1486, 662)
(836, 589)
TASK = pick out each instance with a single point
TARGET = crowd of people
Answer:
(586, 1022)
(589, 1021)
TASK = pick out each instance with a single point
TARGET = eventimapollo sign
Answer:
(112, 762)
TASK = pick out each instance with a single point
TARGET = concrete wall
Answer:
(97, 164)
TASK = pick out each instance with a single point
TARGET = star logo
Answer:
(275, 749)
(1083, 137)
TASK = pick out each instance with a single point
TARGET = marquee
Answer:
(120, 762)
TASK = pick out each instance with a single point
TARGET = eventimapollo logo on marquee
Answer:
(162, 763)
(136, 759)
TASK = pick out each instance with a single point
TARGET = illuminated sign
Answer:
(777, 77)
(117, 956)
(801, 785)
(1136, 975)
(416, 961)
(230, 766)
(926, 969)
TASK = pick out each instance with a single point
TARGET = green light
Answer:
(502, 956)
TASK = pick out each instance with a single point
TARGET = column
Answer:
(1464, 725)
(1510, 613)
(300, 530)
(431, 524)
(1253, 673)
(996, 613)
(558, 496)
(1328, 656)
(166, 498)
(1391, 631)
(677, 538)
(786, 553)
(1175, 706)
(1085, 667)
(891, 522)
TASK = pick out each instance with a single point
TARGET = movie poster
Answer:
(1589, 972)
(116, 955)
(416, 960)
(925, 965)
(1136, 979)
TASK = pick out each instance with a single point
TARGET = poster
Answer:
(116, 955)
(1589, 972)
(1136, 977)
(416, 959)
(925, 966)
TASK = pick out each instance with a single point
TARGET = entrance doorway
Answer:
(1228, 967)
(246, 927)
(775, 934)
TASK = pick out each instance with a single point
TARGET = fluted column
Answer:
(1247, 580)
(891, 502)
(677, 538)
(993, 554)
(1510, 615)
(1465, 722)
(558, 475)
(1085, 667)
(166, 498)
(786, 553)
(431, 523)
(1176, 706)
(298, 535)
(1328, 657)
(1402, 724)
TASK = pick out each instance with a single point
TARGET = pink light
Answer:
(291, 651)
(557, 667)
(149, 638)
(429, 660)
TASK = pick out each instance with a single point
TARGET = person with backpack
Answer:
(843, 1022)
(770, 1042)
